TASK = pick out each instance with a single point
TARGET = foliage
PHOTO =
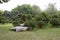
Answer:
(42, 17)
(16, 23)
(30, 23)
(2, 18)
(26, 9)
(55, 22)
(25, 17)
(4, 1)
(40, 24)
(51, 9)
(35, 10)
(31, 16)
(8, 16)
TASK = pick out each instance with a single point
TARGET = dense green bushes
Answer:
(30, 23)
(55, 22)
(15, 23)
(41, 20)
(32, 16)
(40, 24)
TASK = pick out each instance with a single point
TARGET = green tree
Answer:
(51, 10)
(26, 9)
(2, 18)
(3, 1)
(35, 10)
(40, 24)
(8, 16)
(30, 23)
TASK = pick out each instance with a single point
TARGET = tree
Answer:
(40, 24)
(8, 15)
(53, 15)
(51, 10)
(30, 23)
(2, 18)
(25, 12)
(3, 1)
(35, 10)
(25, 8)
(42, 17)
(55, 22)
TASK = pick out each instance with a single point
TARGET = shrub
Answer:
(40, 24)
(2, 20)
(55, 22)
(31, 24)
(42, 17)
(21, 21)
(15, 23)
(25, 17)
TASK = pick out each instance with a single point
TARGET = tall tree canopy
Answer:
(51, 9)
(26, 9)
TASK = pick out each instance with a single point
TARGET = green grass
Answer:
(42, 34)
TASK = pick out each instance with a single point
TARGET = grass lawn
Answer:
(42, 34)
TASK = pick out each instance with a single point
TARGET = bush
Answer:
(31, 24)
(16, 23)
(21, 21)
(40, 24)
(55, 22)
(2, 20)
(42, 17)
(25, 17)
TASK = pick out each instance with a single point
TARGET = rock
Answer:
(19, 28)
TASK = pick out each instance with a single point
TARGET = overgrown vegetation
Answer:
(31, 16)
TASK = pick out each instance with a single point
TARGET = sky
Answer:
(41, 3)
